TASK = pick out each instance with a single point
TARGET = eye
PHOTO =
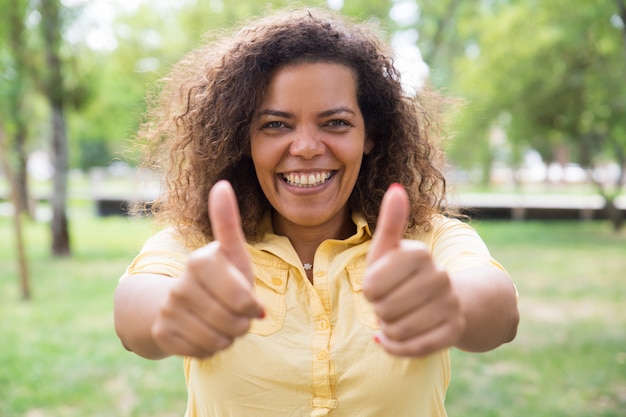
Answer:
(273, 125)
(338, 123)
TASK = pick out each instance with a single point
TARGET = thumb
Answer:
(226, 225)
(392, 218)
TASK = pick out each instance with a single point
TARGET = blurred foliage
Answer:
(549, 74)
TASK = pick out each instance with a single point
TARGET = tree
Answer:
(18, 234)
(14, 91)
(148, 40)
(53, 86)
(556, 71)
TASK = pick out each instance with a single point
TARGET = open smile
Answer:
(307, 179)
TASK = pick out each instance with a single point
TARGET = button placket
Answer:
(321, 362)
(322, 323)
(323, 390)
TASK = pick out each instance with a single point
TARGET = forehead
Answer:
(309, 81)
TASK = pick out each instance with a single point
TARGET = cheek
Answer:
(256, 153)
(263, 163)
(353, 155)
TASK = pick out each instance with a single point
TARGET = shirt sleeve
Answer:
(165, 253)
(456, 246)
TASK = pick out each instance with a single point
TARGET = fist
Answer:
(213, 303)
(418, 311)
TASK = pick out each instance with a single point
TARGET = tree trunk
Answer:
(51, 24)
(614, 214)
(21, 174)
(16, 14)
(60, 234)
(442, 25)
(22, 261)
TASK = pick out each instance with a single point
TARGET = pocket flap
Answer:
(355, 275)
(272, 274)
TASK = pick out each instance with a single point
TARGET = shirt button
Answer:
(322, 355)
(320, 273)
(322, 324)
(277, 281)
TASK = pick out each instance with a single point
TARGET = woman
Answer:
(340, 287)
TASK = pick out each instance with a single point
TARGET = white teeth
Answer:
(307, 180)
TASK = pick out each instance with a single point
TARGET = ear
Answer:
(368, 146)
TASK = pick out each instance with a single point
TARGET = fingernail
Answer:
(396, 185)
(261, 314)
(376, 338)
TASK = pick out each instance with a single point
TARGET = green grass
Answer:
(59, 355)
(569, 358)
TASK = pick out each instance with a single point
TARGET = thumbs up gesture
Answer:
(213, 302)
(418, 310)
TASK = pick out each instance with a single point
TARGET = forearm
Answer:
(489, 304)
(137, 302)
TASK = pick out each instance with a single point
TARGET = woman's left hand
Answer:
(418, 310)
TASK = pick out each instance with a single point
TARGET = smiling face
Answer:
(307, 142)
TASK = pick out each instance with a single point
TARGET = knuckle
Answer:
(395, 331)
(198, 258)
(392, 333)
(195, 267)
(157, 330)
(203, 354)
(210, 344)
(160, 332)
(424, 346)
(242, 302)
(177, 295)
(453, 304)
(369, 288)
(382, 311)
(368, 292)
(240, 326)
(167, 313)
(221, 343)
(402, 351)
(459, 325)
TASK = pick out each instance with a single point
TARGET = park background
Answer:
(539, 115)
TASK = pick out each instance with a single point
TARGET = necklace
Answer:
(307, 266)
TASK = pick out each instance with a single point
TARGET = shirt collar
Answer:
(281, 247)
(362, 233)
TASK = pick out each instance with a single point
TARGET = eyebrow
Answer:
(277, 113)
(325, 113)
(336, 111)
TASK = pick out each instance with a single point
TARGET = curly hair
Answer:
(197, 130)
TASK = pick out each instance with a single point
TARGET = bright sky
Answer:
(95, 25)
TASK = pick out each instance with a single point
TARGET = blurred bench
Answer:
(531, 207)
(114, 189)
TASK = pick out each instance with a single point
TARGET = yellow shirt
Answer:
(313, 354)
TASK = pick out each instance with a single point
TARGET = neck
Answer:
(306, 239)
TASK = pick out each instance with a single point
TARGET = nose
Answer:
(306, 143)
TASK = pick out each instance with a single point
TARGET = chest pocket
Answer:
(364, 308)
(269, 288)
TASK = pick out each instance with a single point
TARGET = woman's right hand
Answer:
(213, 303)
